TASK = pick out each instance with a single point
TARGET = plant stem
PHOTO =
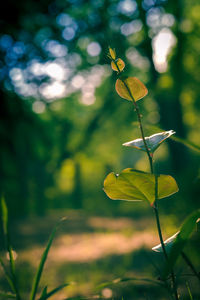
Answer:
(150, 157)
(139, 119)
(155, 207)
(140, 125)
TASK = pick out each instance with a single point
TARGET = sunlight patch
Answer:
(162, 44)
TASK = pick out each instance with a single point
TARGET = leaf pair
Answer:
(132, 185)
(130, 88)
(153, 141)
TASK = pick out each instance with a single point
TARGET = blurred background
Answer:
(62, 126)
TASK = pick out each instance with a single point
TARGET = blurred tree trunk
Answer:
(40, 199)
(13, 163)
(169, 102)
(22, 197)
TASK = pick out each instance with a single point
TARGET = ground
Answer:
(88, 251)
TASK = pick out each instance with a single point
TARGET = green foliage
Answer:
(177, 139)
(64, 129)
(189, 291)
(135, 185)
(11, 278)
(65, 125)
(46, 295)
(127, 279)
(41, 266)
(4, 214)
(7, 295)
(44, 292)
(7, 276)
(180, 240)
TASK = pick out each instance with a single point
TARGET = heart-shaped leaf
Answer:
(131, 88)
(153, 141)
(118, 65)
(135, 185)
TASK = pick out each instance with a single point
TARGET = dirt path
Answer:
(88, 239)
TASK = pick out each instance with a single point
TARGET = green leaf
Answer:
(80, 298)
(12, 280)
(131, 88)
(135, 185)
(181, 240)
(7, 295)
(42, 262)
(153, 141)
(44, 292)
(187, 143)
(189, 291)
(127, 279)
(51, 293)
(7, 276)
(118, 65)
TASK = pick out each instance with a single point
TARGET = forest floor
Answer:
(86, 251)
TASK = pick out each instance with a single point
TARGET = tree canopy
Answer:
(59, 108)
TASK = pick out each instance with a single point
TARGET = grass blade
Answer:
(126, 279)
(80, 298)
(54, 291)
(44, 292)
(4, 213)
(186, 143)
(7, 295)
(7, 275)
(189, 291)
(42, 262)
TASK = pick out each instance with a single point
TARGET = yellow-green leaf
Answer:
(131, 88)
(112, 53)
(118, 65)
(132, 185)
